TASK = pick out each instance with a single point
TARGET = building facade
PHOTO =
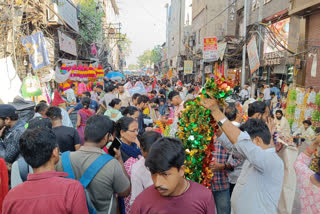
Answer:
(307, 58)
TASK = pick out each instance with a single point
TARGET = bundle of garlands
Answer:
(197, 130)
(163, 128)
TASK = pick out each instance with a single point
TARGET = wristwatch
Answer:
(221, 122)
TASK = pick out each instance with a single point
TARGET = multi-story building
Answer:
(212, 18)
(175, 30)
(306, 42)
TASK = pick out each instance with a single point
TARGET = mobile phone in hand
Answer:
(115, 145)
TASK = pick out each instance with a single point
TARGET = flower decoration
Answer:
(197, 130)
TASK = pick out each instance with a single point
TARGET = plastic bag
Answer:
(31, 86)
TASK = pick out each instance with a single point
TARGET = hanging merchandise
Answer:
(310, 105)
(36, 48)
(308, 114)
(85, 73)
(81, 88)
(291, 106)
(59, 77)
(64, 69)
(31, 86)
(312, 98)
(300, 97)
(94, 49)
(317, 102)
(44, 93)
(92, 76)
(196, 130)
(74, 73)
(47, 76)
(80, 72)
(99, 71)
(316, 113)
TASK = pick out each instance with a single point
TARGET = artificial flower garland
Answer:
(197, 129)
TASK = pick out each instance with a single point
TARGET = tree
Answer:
(125, 44)
(156, 54)
(150, 57)
(90, 22)
(133, 67)
(145, 59)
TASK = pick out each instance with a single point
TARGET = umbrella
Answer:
(115, 75)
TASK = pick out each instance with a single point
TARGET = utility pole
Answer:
(244, 50)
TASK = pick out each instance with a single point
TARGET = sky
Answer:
(144, 22)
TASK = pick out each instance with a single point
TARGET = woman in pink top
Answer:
(308, 181)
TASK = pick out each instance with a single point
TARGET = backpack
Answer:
(87, 176)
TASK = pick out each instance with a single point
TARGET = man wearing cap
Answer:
(10, 131)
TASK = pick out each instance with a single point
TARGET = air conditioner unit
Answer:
(52, 18)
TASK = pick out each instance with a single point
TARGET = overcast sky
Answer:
(144, 22)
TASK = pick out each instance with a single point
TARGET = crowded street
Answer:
(159, 107)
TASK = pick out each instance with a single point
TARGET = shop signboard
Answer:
(273, 58)
(210, 49)
(253, 55)
(67, 44)
(188, 67)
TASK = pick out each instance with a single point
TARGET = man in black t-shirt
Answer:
(67, 138)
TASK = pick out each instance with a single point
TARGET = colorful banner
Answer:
(281, 30)
(188, 67)
(210, 49)
(36, 48)
(138, 88)
(253, 55)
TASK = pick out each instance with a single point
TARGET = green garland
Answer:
(291, 121)
(318, 100)
(197, 128)
(291, 109)
(293, 95)
(316, 116)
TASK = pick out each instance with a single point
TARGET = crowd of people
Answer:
(58, 165)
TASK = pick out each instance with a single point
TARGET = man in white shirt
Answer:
(282, 123)
(71, 97)
(123, 96)
(267, 96)
(244, 94)
(259, 186)
(305, 132)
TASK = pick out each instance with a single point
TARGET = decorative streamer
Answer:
(197, 129)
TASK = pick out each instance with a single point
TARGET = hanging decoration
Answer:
(64, 69)
(92, 76)
(31, 86)
(197, 129)
(99, 71)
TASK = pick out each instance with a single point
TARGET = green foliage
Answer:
(150, 57)
(90, 22)
(125, 44)
(156, 54)
(133, 67)
(318, 100)
(145, 59)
